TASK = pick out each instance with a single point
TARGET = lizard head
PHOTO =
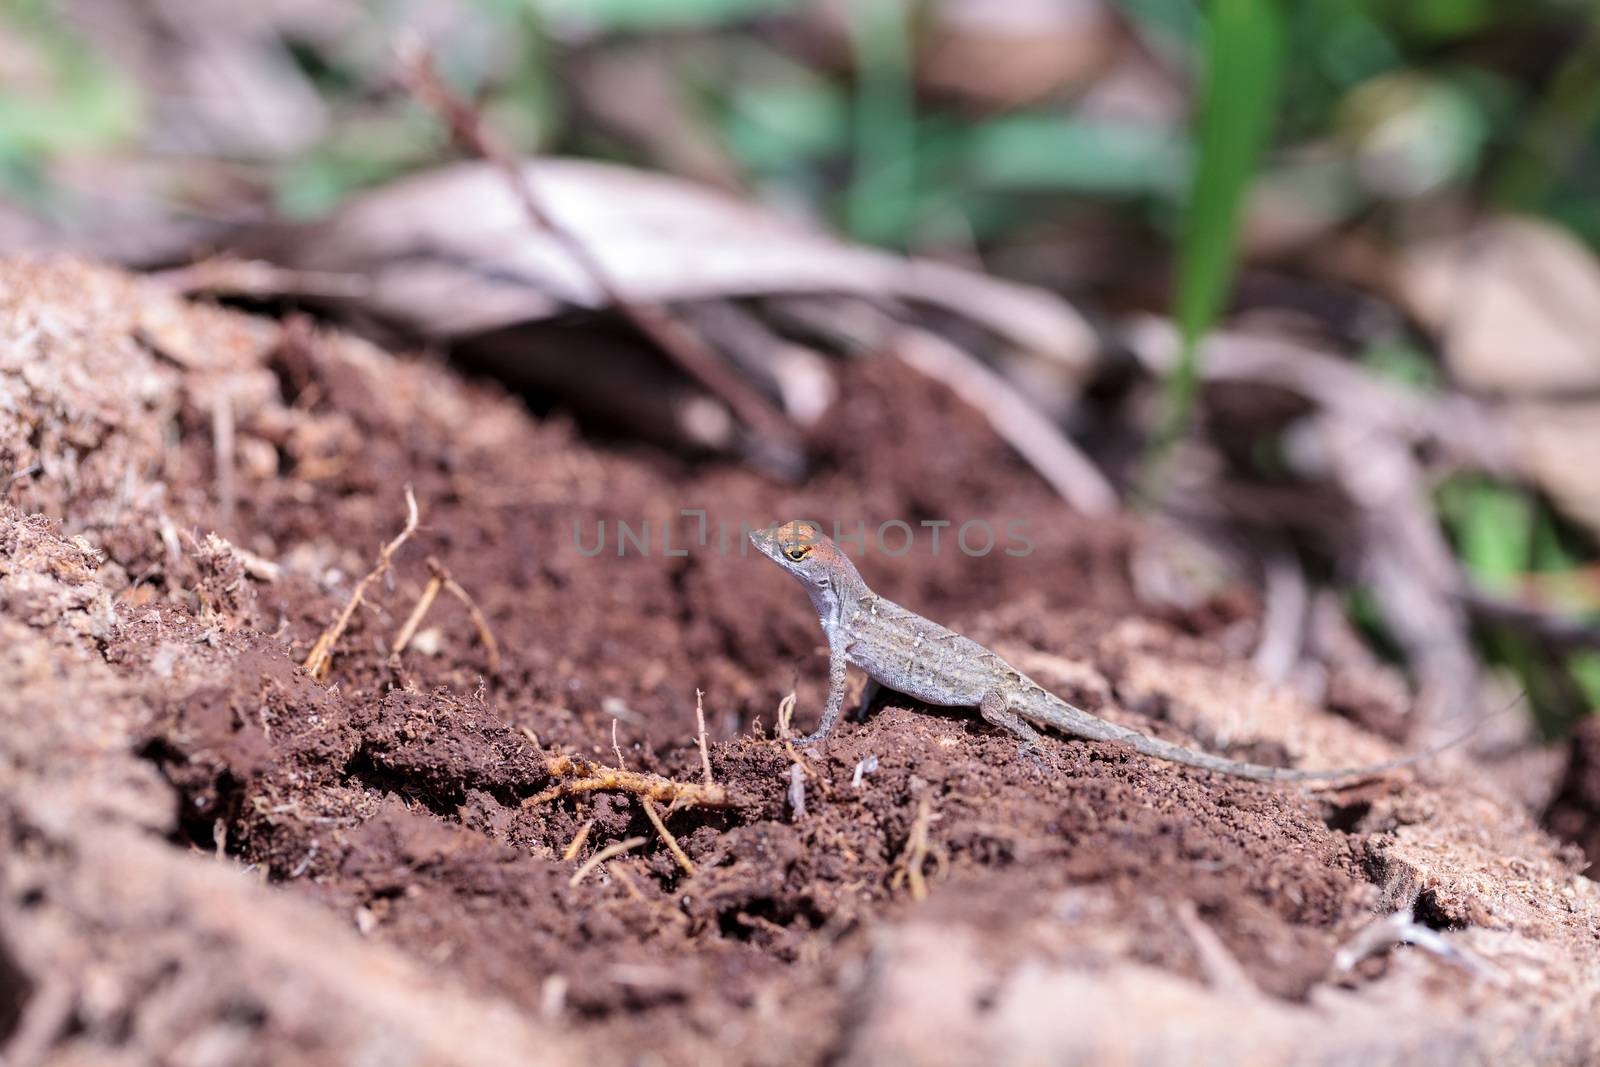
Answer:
(802, 549)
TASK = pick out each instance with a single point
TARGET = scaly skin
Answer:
(912, 655)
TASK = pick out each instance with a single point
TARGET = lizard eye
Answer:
(797, 552)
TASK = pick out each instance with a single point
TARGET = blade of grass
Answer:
(1585, 669)
(1496, 533)
(879, 201)
(1243, 53)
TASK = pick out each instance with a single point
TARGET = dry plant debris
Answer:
(320, 658)
(777, 438)
(660, 824)
(920, 848)
(577, 775)
(611, 851)
(439, 578)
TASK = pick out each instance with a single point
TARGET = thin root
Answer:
(490, 645)
(611, 851)
(320, 658)
(700, 717)
(666, 835)
(673, 915)
(1400, 928)
(441, 579)
(580, 776)
(575, 846)
(919, 849)
(408, 629)
(786, 735)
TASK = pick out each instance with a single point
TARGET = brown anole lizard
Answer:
(903, 651)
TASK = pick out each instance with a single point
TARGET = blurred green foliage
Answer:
(57, 98)
(1511, 544)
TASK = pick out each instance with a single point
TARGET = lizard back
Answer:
(916, 656)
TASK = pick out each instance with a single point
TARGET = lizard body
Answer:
(913, 655)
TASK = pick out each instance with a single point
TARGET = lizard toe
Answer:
(1039, 758)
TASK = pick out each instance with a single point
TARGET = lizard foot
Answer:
(1030, 746)
(1038, 757)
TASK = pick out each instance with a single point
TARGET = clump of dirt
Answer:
(912, 890)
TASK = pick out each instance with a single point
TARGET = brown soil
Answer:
(217, 859)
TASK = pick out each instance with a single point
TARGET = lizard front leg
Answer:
(837, 662)
(996, 711)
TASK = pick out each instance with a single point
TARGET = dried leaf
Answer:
(1006, 55)
(1515, 304)
(449, 254)
(1558, 446)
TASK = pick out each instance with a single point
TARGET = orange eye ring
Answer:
(797, 552)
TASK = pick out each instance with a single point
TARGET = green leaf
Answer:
(57, 95)
(780, 126)
(1170, 20)
(643, 15)
(883, 182)
(1585, 669)
(1243, 52)
(1060, 154)
(1493, 527)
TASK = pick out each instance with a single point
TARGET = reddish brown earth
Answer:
(215, 858)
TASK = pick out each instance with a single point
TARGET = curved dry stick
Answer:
(681, 344)
(1014, 419)
(321, 656)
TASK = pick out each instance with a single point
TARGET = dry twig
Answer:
(666, 835)
(1014, 419)
(257, 278)
(1559, 630)
(1283, 620)
(685, 347)
(321, 656)
(611, 851)
(490, 645)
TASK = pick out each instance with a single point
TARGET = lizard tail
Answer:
(1082, 724)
